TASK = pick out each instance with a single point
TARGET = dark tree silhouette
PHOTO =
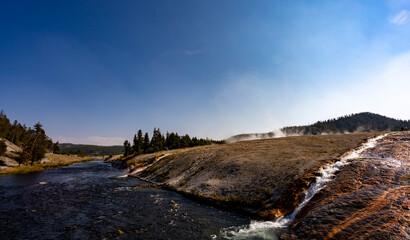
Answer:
(146, 143)
(3, 147)
(159, 142)
(56, 147)
(127, 148)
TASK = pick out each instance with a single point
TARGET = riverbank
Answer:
(50, 161)
(263, 178)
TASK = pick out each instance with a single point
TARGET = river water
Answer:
(91, 201)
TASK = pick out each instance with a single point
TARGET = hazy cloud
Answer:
(384, 91)
(93, 140)
(400, 18)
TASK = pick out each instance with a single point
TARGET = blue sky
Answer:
(97, 71)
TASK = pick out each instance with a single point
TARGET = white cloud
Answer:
(93, 140)
(400, 18)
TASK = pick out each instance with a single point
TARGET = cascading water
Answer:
(271, 229)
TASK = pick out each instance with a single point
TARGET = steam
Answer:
(257, 136)
(280, 134)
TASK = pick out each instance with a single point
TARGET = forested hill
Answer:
(70, 148)
(361, 122)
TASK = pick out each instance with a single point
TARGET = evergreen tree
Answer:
(4, 125)
(140, 141)
(159, 142)
(39, 144)
(24, 157)
(135, 144)
(13, 132)
(3, 147)
(185, 141)
(146, 143)
(56, 148)
(127, 148)
(155, 141)
(162, 142)
(167, 145)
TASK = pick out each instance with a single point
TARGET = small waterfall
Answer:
(271, 229)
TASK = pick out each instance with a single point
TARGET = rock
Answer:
(9, 162)
(45, 160)
(11, 147)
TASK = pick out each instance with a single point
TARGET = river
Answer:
(92, 201)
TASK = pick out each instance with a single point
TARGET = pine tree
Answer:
(135, 144)
(56, 147)
(146, 143)
(3, 147)
(4, 125)
(185, 141)
(167, 141)
(39, 144)
(127, 148)
(140, 142)
(154, 140)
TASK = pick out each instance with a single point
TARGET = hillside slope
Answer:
(360, 122)
(91, 149)
(261, 177)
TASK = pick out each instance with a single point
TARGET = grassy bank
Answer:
(55, 160)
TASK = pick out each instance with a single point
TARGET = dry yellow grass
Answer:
(56, 160)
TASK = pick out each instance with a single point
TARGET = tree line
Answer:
(158, 142)
(33, 141)
(360, 122)
(84, 149)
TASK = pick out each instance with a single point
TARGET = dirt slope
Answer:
(261, 177)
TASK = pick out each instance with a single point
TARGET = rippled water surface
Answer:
(90, 201)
